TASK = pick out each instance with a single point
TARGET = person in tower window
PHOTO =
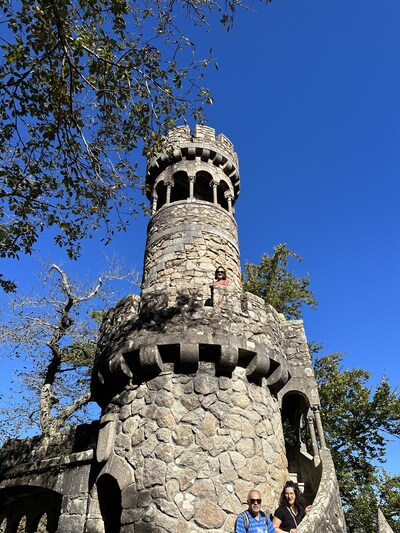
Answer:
(220, 277)
(291, 510)
(253, 520)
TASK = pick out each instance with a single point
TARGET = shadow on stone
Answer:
(110, 503)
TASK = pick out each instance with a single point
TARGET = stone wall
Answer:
(47, 477)
(195, 445)
(139, 338)
(383, 526)
(303, 379)
(186, 242)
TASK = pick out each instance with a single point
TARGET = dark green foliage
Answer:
(358, 421)
(272, 281)
(389, 502)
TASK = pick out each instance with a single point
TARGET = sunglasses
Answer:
(255, 500)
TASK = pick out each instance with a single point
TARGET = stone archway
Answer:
(32, 502)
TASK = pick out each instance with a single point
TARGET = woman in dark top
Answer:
(291, 510)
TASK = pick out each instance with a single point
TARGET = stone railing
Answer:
(327, 514)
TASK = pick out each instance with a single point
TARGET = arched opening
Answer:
(109, 495)
(180, 190)
(161, 191)
(294, 415)
(202, 186)
(300, 451)
(221, 190)
(24, 506)
(3, 525)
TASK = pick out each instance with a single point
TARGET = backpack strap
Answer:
(245, 520)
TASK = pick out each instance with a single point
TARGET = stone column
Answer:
(168, 200)
(318, 422)
(311, 429)
(192, 179)
(214, 185)
(229, 200)
(154, 204)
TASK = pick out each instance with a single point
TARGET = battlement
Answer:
(17, 452)
(202, 134)
(190, 164)
(135, 346)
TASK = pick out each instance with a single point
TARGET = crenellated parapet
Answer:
(198, 166)
(141, 339)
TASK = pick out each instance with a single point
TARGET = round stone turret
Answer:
(192, 187)
(188, 373)
(182, 318)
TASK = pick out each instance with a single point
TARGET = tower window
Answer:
(180, 190)
(202, 187)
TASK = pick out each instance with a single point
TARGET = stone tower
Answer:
(189, 375)
(206, 392)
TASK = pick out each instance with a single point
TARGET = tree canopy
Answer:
(83, 84)
(358, 420)
(272, 281)
(358, 423)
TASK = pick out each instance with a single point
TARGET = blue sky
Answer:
(309, 93)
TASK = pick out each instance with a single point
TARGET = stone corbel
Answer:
(278, 378)
(228, 359)
(150, 359)
(106, 438)
(258, 366)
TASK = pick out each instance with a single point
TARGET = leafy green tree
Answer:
(55, 334)
(358, 422)
(83, 84)
(272, 281)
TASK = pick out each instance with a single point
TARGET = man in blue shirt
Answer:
(253, 520)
